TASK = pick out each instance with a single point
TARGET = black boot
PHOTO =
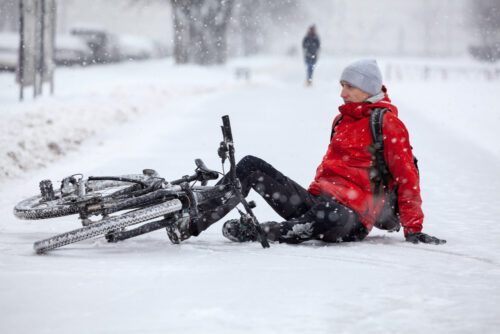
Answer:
(238, 230)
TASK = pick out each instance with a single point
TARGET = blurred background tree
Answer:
(200, 30)
(486, 19)
(201, 27)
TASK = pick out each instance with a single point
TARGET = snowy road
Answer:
(210, 285)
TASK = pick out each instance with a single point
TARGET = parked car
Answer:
(9, 44)
(71, 50)
(135, 47)
(86, 46)
(104, 45)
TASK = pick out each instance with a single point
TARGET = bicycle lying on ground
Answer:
(123, 201)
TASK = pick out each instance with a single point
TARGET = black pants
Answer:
(307, 217)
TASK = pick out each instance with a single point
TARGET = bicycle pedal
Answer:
(178, 230)
(173, 233)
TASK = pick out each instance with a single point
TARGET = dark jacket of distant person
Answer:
(311, 45)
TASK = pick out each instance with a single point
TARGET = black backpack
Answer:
(388, 219)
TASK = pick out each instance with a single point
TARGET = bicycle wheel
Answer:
(38, 208)
(108, 225)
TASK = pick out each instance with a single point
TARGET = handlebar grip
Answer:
(226, 126)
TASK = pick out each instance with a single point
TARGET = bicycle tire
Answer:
(107, 225)
(36, 208)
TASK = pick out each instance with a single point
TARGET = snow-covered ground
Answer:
(120, 119)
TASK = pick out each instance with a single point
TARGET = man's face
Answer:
(350, 93)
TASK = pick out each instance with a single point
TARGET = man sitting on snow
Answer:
(343, 203)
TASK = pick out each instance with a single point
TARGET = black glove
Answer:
(424, 238)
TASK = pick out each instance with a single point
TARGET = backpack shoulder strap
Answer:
(376, 122)
(335, 123)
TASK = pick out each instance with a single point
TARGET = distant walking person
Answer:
(310, 45)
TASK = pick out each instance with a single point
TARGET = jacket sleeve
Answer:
(399, 158)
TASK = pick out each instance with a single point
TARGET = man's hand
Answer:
(424, 238)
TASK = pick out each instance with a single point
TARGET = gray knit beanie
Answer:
(365, 75)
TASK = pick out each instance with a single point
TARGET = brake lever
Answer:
(222, 151)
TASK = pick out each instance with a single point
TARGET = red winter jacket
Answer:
(343, 173)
